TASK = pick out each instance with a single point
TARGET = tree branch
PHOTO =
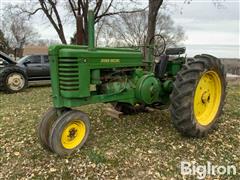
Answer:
(120, 12)
(30, 13)
(81, 4)
(73, 8)
(98, 6)
(106, 10)
(58, 27)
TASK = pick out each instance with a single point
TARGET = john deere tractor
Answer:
(130, 79)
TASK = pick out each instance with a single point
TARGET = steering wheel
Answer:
(159, 44)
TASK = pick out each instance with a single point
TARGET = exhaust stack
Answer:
(91, 38)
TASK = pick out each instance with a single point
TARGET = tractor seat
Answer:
(175, 51)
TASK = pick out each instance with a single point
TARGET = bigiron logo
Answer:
(201, 171)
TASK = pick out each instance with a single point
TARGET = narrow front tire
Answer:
(69, 132)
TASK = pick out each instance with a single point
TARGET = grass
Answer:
(143, 146)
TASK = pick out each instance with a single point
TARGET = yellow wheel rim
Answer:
(207, 98)
(73, 134)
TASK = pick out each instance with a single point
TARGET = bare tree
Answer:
(51, 9)
(173, 34)
(131, 30)
(101, 10)
(4, 46)
(154, 6)
(17, 29)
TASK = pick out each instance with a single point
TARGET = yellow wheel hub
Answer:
(73, 134)
(207, 98)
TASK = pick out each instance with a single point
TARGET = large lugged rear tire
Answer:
(198, 96)
(13, 79)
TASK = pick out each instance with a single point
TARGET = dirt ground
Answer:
(143, 146)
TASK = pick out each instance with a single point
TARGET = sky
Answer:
(203, 22)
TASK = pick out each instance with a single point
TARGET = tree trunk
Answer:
(154, 6)
(61, 36)
(85, 33)
(53, 12)
(79, 34)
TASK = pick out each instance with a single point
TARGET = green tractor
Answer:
(192, 88)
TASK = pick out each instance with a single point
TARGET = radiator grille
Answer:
(68, 74)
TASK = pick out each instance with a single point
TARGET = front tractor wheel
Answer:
(69, 132)
(45, 125)
(198, 96)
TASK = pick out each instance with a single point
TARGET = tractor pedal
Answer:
(113, 113)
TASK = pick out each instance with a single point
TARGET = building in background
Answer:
(31, 50)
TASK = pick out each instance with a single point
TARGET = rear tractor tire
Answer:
(198, 96)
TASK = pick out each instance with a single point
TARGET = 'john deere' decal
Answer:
(110, 60)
